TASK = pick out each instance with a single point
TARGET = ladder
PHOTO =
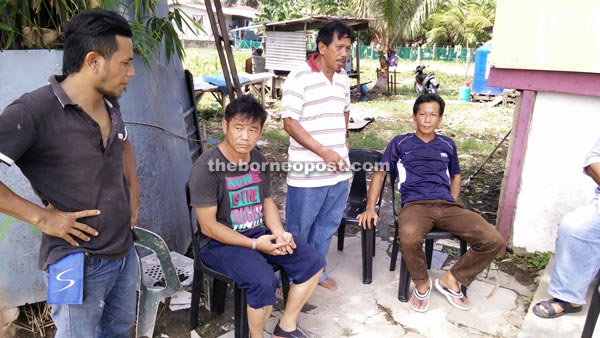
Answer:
(223, 46)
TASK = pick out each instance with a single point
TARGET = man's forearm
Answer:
(375, 189)
(130, 169)
(271, 216)
(18, 207)
(594, 171)
(295, 130)
(455, 186)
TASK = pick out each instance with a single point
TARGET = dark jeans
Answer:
(417, 218)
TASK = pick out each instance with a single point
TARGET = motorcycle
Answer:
(425, 83)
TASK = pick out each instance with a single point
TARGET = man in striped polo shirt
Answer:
(315, 111)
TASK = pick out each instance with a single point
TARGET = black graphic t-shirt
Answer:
(237, 191)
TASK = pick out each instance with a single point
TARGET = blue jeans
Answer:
(109, 301)
(577, 254)
(314, 214)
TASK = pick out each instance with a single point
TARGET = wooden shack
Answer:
(287, 42)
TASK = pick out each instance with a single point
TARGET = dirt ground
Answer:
(480, 195)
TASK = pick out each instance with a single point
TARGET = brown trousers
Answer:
(417, 218)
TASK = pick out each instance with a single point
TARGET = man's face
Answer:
(241, 133)
(428, 118)
(115, 71)
(335, 54)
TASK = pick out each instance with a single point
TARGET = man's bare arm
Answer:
(370, 213)
(50, 221)
(455, 186)
(210, 227)
(295, 130)
(133, 184)
(594, 171)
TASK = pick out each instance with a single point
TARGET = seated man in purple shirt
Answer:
(428, 172)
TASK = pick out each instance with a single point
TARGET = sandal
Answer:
(421, 297)
(539, 308)
(451, 294)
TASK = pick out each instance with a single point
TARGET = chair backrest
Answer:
(193, 220)
(259, 64)
(151, 241)
(362, 160)
(393, 187)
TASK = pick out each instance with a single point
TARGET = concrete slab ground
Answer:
(374, 311)
(570, 325)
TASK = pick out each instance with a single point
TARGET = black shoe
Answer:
(297, 333)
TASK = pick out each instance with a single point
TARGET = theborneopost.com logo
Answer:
(216, 165)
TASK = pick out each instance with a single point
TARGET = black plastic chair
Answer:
(434, 234)
(219, 287)
(592, 315)
(355, 205)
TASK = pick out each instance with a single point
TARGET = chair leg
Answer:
(429, 252)
(374, 239)
(219, 296)
(195, 303)
(340, 233)
(463, 250)
(285, 285)
(240, 319)
(147, 310)
(404, 283)
(592, 316)
(395, 246)
(368, 251)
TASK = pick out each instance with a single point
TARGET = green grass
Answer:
(475, 127)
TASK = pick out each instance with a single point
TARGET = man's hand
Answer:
(333, 160)
(64, 224)
(364, 219)
(269, 245)
(288, 239)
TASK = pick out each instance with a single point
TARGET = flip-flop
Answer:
(422, 297)
(450, 294)
(550, 312)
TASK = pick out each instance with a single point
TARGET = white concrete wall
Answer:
(547, 35)
(563, 129)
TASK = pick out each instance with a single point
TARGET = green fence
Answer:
(246, 44)
(450, 54)
(415, 53)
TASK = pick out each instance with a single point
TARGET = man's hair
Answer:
(326, 32)
(248, 108)
(428, 97)
(92, 31)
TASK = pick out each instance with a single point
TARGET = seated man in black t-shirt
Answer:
(231, 194)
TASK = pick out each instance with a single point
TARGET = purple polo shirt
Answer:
(423, 169)
(58, 147)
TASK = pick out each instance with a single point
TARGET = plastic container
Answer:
(482, 71)
(464, 92)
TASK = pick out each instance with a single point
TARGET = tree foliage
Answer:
(464, 22)
(280, 10)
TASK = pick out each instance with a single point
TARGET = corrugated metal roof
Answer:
(314, 22)
(285, 50)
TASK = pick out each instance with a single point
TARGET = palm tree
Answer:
(396, 20)
(463, 22)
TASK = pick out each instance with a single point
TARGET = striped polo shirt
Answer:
(319, 106)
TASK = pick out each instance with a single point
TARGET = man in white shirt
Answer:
(315, 111)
